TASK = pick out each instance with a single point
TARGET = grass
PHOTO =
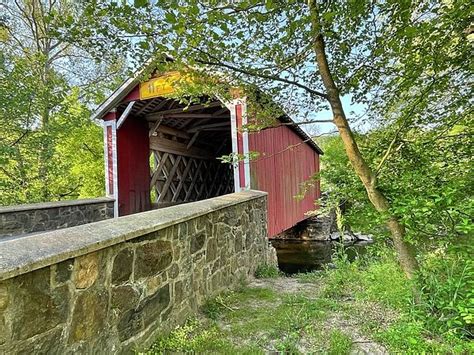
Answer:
(369, 299)
(265, 271)
(340, 343)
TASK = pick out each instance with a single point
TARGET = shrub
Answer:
(265, 271)
(447, 283)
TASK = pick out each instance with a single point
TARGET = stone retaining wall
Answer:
(40, 217)
(113, 286)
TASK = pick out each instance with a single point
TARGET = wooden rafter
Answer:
(210, 125)
(192, 140)
(155, 127)
(125, 114)
(147, 105)
(156, 115)
(220, 112)
(192, 115)
(178, 148)
(173, 132)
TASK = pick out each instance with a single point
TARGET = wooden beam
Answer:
(169, 178)
(173, 131)
(182, 180)
(221, 111)
(221, 147)
(148, 104)
(173, 147)
(155, 127)
(157, 171)
(125, 114)
(153, 116)
(210, 125)
(193, 139)
(189, 115)
(195, 178)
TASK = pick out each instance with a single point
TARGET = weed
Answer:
(339, 343)
(447, 282)
(265, 271)
(191, 337)
(288, 345)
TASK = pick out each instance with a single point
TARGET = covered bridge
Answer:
(159, 153)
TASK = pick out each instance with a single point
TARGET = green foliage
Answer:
(49, 148)
(265, 271)
(447, 280)
(406, 337)
(258, 320)
(441, 319)
(46, 157)
(191, 337)
(428, 179)
(340, 343)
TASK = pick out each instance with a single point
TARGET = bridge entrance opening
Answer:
(185, 144)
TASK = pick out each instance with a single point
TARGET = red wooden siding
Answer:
(284, 163)
(133, 151)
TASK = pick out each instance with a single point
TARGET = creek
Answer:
(296, 256)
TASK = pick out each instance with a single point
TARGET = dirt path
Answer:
(361, 343)
(274, 315)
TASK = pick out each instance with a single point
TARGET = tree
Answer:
(39, 71)
(385, 55)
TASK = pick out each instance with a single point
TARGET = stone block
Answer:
(212, 250)
(122, 266)
(178, 291)
(151, 307)
(152, 258)
(4, 331)
(63, 271)
(173, 271)
(86, 270)
(35, 307)
(47, 343)
(124, 297)
(129, 325)
(89, 315)
(4, 296)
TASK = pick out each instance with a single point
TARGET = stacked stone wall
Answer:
(40, 217)
(120, 295)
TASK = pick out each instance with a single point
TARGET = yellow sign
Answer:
(160, 86)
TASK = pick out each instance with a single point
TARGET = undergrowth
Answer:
(370, 294)
(265, 271)
(441, 321)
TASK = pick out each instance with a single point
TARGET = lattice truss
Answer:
(184, 146)
(176, 178)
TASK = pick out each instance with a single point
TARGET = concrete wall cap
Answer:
(32, 252)
(54, 204)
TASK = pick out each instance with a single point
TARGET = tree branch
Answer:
(219, 63)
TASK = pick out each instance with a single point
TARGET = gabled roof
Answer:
(128, 85)
(117, 96)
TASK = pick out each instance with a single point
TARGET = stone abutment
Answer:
(114, 286)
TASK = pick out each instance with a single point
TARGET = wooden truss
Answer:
(184, 146)
(185, 141)
(177, 178)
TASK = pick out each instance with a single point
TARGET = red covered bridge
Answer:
(159, 153)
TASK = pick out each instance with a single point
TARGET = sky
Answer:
(353, 111)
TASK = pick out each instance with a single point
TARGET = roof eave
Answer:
(305, 136)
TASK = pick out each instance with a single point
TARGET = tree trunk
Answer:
(405, 251)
